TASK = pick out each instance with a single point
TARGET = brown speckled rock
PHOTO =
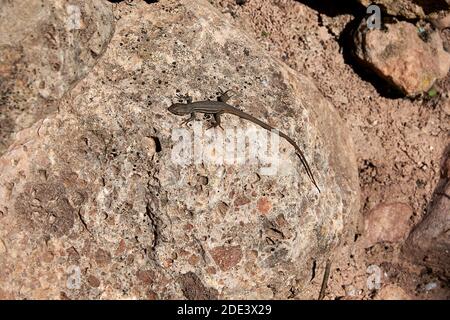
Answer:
(93, 204)
(45, 48)
(408, 58)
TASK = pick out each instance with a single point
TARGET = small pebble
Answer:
(430, 286)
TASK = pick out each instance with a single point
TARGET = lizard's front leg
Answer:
(190, 119)
(216, 121)
(186, 97)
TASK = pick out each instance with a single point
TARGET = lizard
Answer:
(217, 108)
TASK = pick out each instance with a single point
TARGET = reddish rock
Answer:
(226, 257)
(264, 205)
(146, 276)
(408, 58)
(387, 222)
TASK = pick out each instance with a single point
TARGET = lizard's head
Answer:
(179, 109)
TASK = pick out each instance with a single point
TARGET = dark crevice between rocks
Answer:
(314, 266)
(83, 222)
(335, 8)
(355, 8)
(432, 6)
(154, 225)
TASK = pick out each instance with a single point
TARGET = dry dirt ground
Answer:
(399, 142)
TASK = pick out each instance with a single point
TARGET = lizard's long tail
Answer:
(281, 134)
(302, 159)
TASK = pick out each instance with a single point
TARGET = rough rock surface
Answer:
(403, 55)
(392, 292)
(429, 242)
(398, 142)
(93, 205)
(45, 48)
(410, 9)
(387, 223)
(440, 20)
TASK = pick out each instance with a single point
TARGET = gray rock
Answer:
(94, 205)
(45, 48)
(408, 58)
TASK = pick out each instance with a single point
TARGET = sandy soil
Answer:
(399, 142)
